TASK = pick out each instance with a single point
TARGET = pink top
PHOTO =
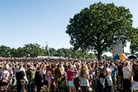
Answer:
(70, 74)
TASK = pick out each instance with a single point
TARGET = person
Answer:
(108, 79)
(38, 79)
(101, 76)
(53, 67)
(84, 78)
(10, 69)
(113, 68)
(5, 78)
(58, 76)
(76, 77)
(31, 77)
(0, 78)
(21, 79)
(48, 78)
(135, 77)
(126, 77)
(96, 80)
(120, 75)
(43, 69)
(70, 78)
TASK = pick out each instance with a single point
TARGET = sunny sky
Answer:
(41, 21)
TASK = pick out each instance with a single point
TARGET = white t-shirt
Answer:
(84, 81)
(126, 72)
(5, 74)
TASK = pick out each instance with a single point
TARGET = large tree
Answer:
(134, 41)
(99, 26)
(32, 50)
(4, 51)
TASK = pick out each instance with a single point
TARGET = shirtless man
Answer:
(108, 79)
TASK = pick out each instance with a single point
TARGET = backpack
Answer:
(101, 70)
(31, 75)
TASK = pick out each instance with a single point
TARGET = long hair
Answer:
(61, 67)
(84, 70)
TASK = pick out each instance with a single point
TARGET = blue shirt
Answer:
(113, 74)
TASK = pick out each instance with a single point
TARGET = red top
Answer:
(70, 74)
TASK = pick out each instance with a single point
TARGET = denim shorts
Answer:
(70, 83)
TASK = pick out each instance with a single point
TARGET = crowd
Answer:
(69, 75)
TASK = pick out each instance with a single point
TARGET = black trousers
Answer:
(38, 88)
(126, 85)
(107, 88)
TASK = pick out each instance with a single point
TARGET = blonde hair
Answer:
(4, 67)
(78, 65)
(127, 63)
(84, 70)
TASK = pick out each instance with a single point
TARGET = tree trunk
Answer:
(99, 55)
(132, 50)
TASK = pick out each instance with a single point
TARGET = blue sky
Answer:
(41, 21)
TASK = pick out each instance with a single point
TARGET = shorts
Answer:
(4, 84)
(70, 83)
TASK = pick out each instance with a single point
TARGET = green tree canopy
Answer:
(99, 26)
(134, 41)
(52, 51)
(33, 50)
(4, 51)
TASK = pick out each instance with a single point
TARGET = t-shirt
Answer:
(5, 75)
(126, 72)
(84, 79)
(70, 74)
(31, 74)
(120, 72)
(20, 75)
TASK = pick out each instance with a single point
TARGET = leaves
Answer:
(133, 38)
(99, 26)
(34, 50)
